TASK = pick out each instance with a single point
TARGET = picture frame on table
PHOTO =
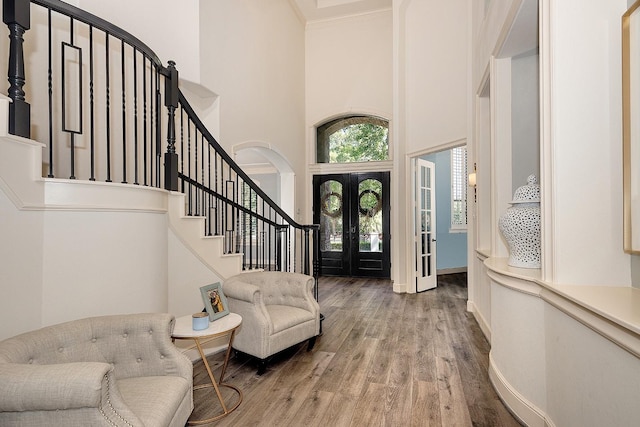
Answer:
(215, 303)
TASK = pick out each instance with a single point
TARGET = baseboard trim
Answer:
(526, 412)
(484, 326)
(451, 270)
(400, 288)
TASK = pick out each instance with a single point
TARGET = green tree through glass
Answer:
(353, 139)
(359, 143)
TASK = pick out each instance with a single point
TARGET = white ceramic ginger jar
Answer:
(520, 226)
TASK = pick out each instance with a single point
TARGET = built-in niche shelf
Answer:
(507, 126)
(611, 311)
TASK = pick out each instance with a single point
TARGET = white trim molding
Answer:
(535, 328)
(518, 405)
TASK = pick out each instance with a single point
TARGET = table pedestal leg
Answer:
(215, 384)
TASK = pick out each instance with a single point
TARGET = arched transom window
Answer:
(353, 139)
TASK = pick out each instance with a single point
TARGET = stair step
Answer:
(210, 249)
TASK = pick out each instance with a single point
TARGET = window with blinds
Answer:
(459, 188)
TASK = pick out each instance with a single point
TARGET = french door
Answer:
(353, 212)
(424, 226)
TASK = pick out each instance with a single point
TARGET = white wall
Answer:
(63, 264)
(586, 143)
(74, 249)
(590, 380)
(71, 260)
(430, 97)
(20, 269)
(525, 119)
(435, 72)
(512, 352)
(169, 28)
(253, 54)
(348, 68)
(99, 263)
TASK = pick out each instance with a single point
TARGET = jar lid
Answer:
(529, 193)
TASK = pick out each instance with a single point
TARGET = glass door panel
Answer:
(332, 224)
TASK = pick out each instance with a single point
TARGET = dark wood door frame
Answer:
(346, 203)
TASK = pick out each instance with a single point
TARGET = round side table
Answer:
(225, 326)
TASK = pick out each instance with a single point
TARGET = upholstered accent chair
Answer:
(102, 371)
(278, 311)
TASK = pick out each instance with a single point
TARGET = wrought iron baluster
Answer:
(189, 169)
(135, 116)
(279, 249)
(200, 194)
(250, 230)
(305, 258)
(217, 224)
(171, 102)
(50, 93)
(287, 253)
(144, 120)
(182, 138)
(108, 105)
(152, 121)
(270, 245)
(230, 215)
(72, 134)
(158, 123)
(124, 113)
(195, 171)
(245, 229)
(262, 235)
(211, 200)
(202, 160)
(92, 135)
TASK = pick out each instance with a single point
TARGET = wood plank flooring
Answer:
(384, 359)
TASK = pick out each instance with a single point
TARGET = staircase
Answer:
(123, 200)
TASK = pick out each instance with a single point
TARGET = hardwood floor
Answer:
(384, 359)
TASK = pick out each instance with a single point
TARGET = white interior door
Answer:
(425, 226)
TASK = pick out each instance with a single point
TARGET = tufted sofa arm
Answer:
(273, 288)
(242, 291)
(77, 373)
(38, 387)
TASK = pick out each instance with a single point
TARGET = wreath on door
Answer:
(367, 209)
(327, 204)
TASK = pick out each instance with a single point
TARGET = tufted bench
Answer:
(278, 311)
(102, 371)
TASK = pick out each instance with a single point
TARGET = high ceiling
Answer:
(315, 10)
